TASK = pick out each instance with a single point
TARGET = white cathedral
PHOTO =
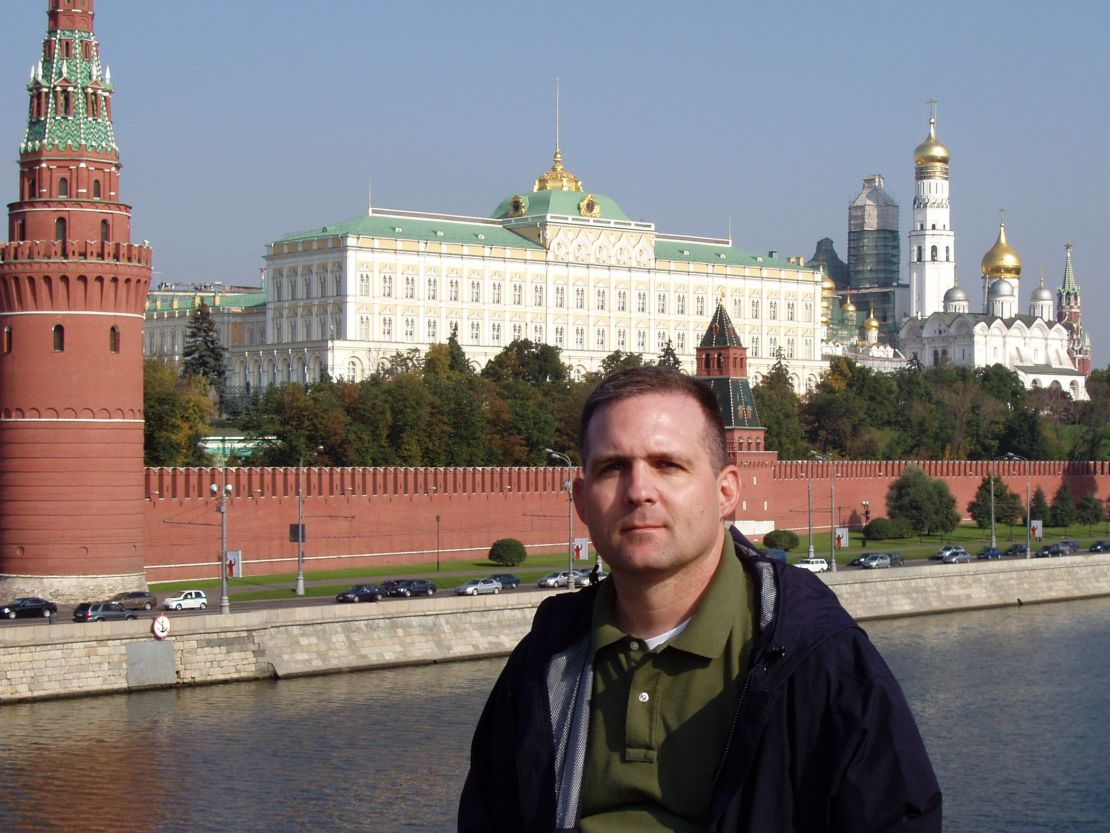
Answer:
(1046, 347)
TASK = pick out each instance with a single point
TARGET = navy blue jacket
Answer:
(822, 741)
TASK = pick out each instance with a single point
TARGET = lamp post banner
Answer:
(581, 549)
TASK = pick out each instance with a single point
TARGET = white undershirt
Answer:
(655, 641)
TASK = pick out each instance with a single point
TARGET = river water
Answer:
(1013, 704)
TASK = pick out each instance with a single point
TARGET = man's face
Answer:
(650, 493)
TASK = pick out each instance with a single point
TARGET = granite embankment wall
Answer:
(63, 660)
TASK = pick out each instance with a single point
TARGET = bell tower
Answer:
(72, 292)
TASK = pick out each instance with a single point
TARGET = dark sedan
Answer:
(508, 580)
(28, 607)
(1099, 546)
(414, 587)
(101, 612)
(361, 593)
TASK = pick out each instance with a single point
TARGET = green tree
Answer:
(1089, 511)
(1063, 506)
(202, 352)
(668, 357)
(927, 504)
(779, 407)
(618, 361)
(177, 413)
(1038, 507)
(1007, 505)
(780, 539)
(508, 552)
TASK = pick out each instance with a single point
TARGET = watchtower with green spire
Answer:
(72, 294)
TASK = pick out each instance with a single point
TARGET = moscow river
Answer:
(1013, 705)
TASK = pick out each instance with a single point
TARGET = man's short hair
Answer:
(640, 381)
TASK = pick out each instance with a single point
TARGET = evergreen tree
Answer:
(1063, 506)
(1038, 507)
(1007, 504)
(669, 358)
(203, 354)
(1089, 510)
(779, 408)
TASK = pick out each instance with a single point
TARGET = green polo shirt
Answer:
(659, 719)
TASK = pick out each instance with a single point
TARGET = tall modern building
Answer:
(874, 248)
(72, 291)
(932, 241)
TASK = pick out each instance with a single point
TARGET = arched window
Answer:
(7, 345)
(113, 339)
(948, 254)
(918, 254)
(60, 229)
(96, 189)
(59, 338)
(63, 187)
(933, 254)
(103, 231)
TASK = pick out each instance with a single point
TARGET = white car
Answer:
(186, 599)
(479, 585)
(814, 565)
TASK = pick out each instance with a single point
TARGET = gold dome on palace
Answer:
(1001, 261)
(931, 152)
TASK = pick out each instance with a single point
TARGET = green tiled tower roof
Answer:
(720, 332)
(72, 66)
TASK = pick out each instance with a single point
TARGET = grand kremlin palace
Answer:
(556, 264)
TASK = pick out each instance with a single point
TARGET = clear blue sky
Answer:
(241, 120)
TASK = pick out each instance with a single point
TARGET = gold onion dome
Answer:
(848, 307)
(872, 323)
(828, 286)
(557, 178)
(1001, 261)
(931, 152)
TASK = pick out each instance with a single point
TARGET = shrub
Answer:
(508, 552)
(880, 529)
(780, 539)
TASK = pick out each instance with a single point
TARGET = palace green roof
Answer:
(565, 203)
(391, 226)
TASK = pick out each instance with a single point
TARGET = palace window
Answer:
(579, 297)
(680, 304)
(433, 285)
(755, 346)
(410, 286)
(387, 326)
(475, 331)
(387, 286)
(537, 295)
(601, 299)
(410, 329)
(579, 337)
(518, 294)
(622, 339)
(660, 340)
(560, 297)
(364, 327)
(432, 328)
(755, 308)
(559, 339)
(772, 310)
(661, 302)
(363, 284)
(600, 338)
(453, 289)
(537, 333)
(680, 341)
(641, 301)
(475, 292)
(495, 332)
(789, 310)
(641, 341)
(699, 305)
(518, 332)
(622, 300)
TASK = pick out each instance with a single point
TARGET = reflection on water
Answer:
(1012, 704)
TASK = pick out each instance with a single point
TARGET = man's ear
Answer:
(579, 504)
(728, 489)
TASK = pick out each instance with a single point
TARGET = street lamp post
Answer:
(298, 587)
(994, 539)
(1009, 455)
(832, 506)
(221, 507)
(809, 502)
(569, 486)
(437, 543)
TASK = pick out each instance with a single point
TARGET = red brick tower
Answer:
(72, 292)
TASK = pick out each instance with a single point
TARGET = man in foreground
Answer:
(703, 687)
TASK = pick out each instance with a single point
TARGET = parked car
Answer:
(814, 565)
(1016, 549)
(947, 550)
(553, 580)
(136, 600)
(391, 584)
(1069, 545)
(863, 556)
(1099, 546)
(361, 593)
(101, 612)
(1049, 551)
(989, 552)
(28, 607)
(875, 561)
(414, 587)
(896, 559)
(507, 580)
(582, 576)
(186, 599)
(479, 586)
(959, 556)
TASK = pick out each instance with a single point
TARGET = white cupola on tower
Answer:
(1041, 303)
(956, 300)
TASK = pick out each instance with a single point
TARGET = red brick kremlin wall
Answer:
(388, 516)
